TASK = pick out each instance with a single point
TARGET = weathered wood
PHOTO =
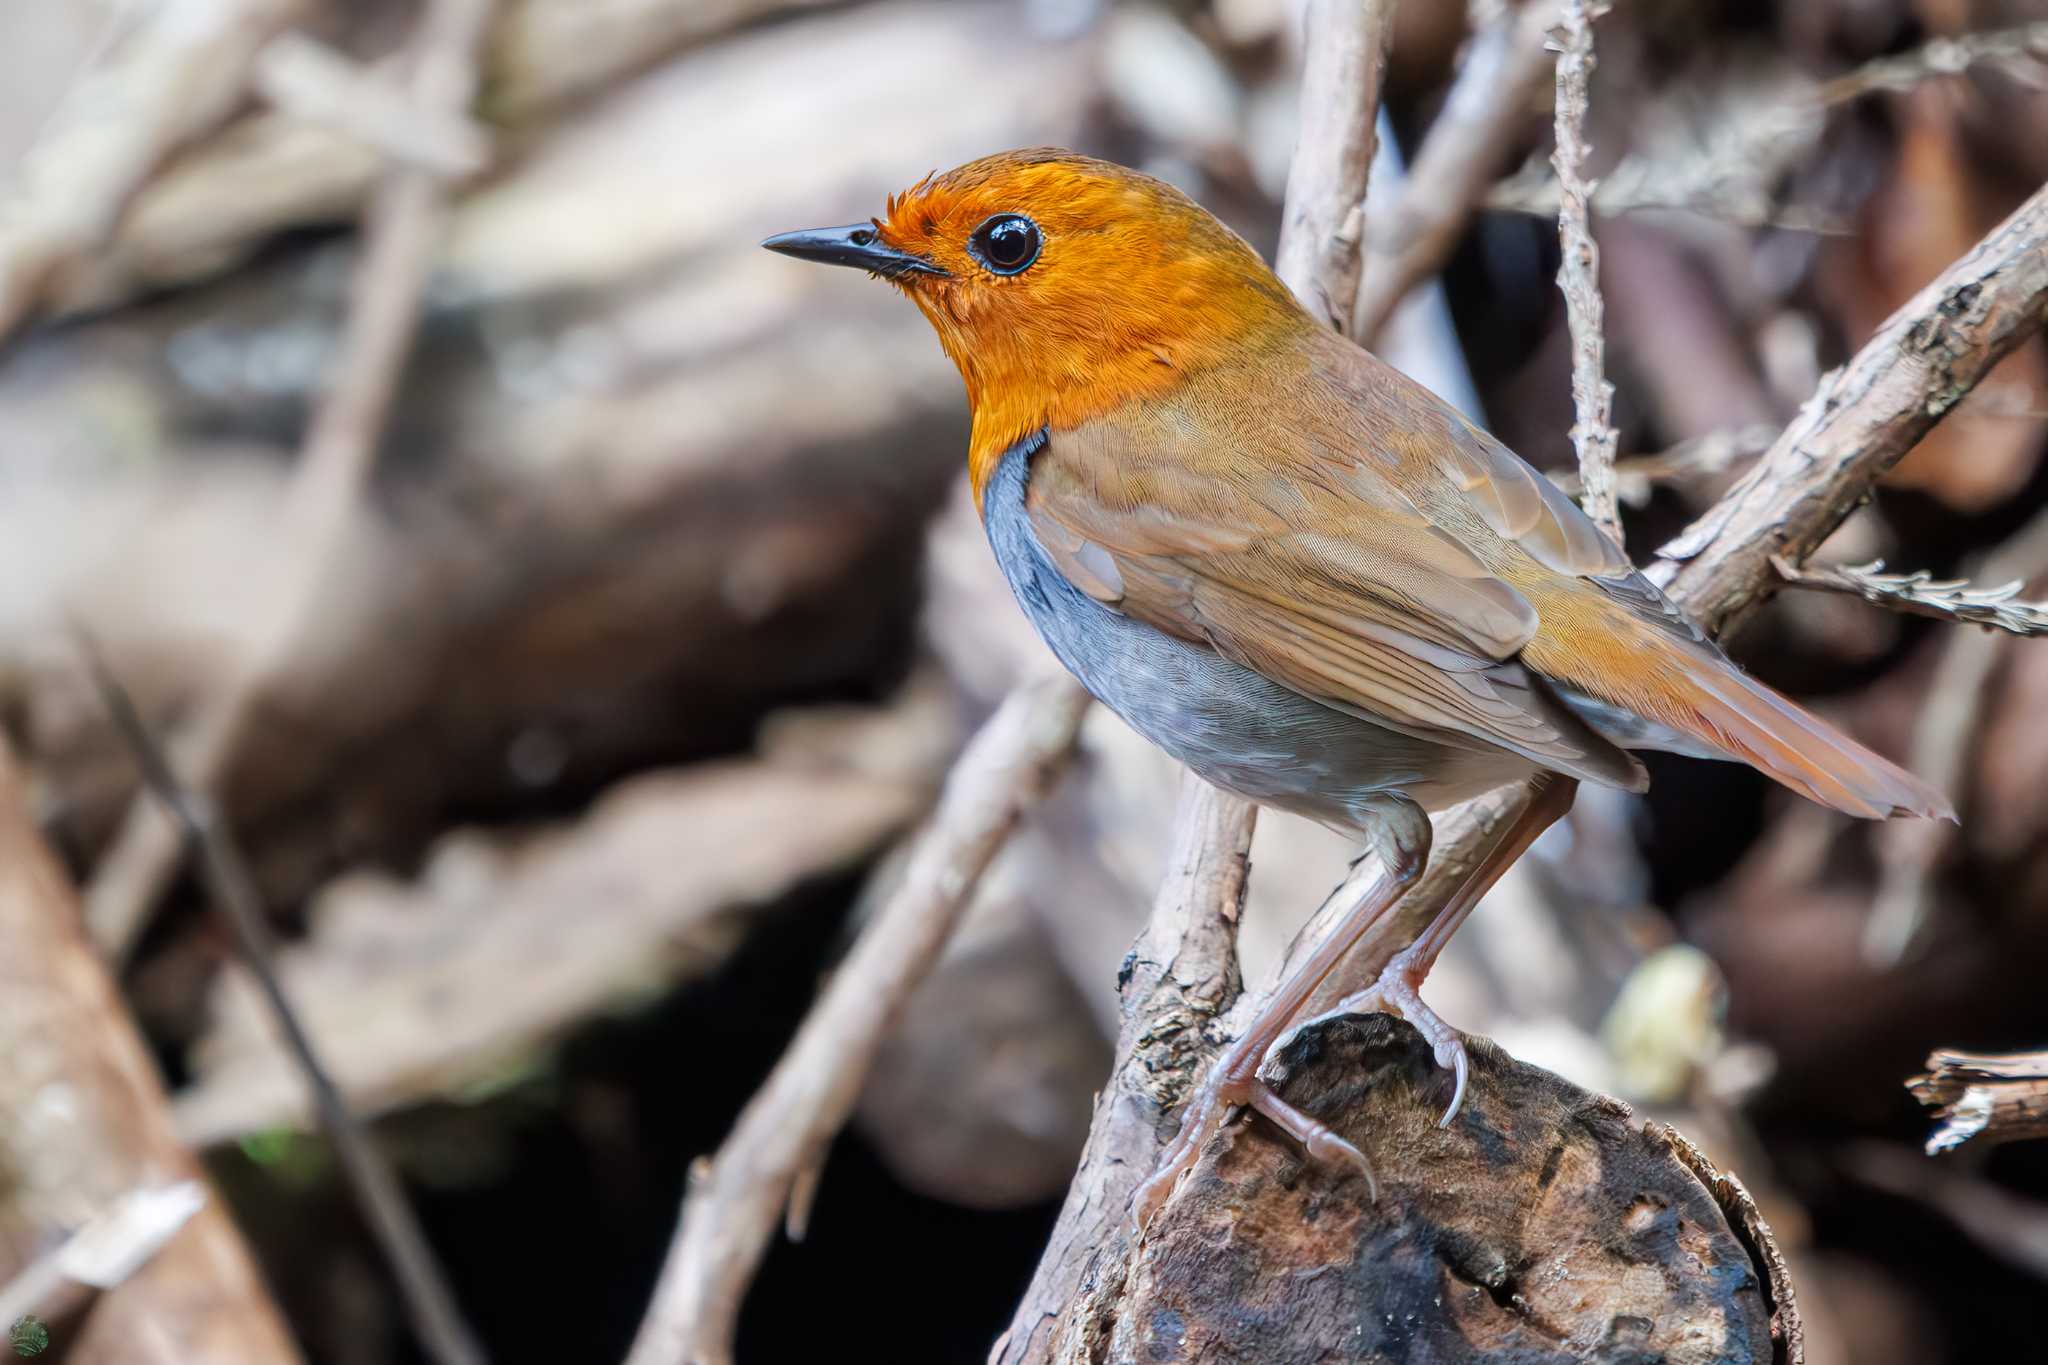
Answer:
(1545, 1225)
(83, 1122)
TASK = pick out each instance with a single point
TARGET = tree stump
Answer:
(1542, 1226)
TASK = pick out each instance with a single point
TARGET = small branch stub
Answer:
(1998, 1097)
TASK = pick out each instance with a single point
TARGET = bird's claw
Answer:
(1397, 992)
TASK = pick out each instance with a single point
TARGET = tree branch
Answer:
(1920, 593)
(1486, 113)
(1578, 272)
(1344, 45)
(2000, 1098)
(766, 1167)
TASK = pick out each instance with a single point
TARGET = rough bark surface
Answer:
(1543, 1226)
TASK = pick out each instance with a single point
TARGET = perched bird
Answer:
(1292, 567)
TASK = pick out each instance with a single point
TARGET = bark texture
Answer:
(1543, 1226)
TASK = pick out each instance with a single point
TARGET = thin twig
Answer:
(1490, 105)
(1920, 593)
(1345, 53)
(1703, 456)
(1578, 271)
(1941, 57)
(401, 227)
(1751, 141)
(737, 1198)
(429, 1300)
(2000, 1098)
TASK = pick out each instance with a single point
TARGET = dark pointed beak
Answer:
(858, 245)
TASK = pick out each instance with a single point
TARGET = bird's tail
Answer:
(1733, 712)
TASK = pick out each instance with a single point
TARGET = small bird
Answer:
(1295, 569)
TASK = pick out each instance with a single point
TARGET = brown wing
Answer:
(1313, 569)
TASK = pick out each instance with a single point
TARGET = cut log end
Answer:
(1542, 1225)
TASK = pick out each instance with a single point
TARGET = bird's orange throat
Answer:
(1028, 369)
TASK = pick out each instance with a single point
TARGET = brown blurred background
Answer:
(591, 730)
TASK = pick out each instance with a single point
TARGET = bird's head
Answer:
(1062, 286)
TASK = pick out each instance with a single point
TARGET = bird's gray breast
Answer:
(1234, 726)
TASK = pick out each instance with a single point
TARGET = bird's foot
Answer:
(1398, 991)
(1227, 1089)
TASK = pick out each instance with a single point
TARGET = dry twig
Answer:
(1345, 53)
(429, 1300)
(763, 1170)
(1941, 57)
(1752, 141)
(400, 231)
(1920, 593)
(1701, 457)
(1578, 272)
(2001, 1098)
(1489, 106)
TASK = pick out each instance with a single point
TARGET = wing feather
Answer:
(1376, 612)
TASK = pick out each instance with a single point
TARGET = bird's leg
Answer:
(1398, 989)
(1400, 837)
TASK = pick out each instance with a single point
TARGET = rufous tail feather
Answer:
(1753, 724)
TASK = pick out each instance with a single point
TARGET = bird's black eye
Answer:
(1006, 243)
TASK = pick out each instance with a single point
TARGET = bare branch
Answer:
(1578, 272)
(1862, 419)
(422, 1283)
(1920, 593)
(739, 1197)
(1699, 458)
(2001, 1098)
(1345, 52)
(1489, 107)
(1941, 57)
(1752, 140)
(1180, 976)
(402, 225)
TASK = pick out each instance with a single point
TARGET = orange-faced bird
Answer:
(1293, 568)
